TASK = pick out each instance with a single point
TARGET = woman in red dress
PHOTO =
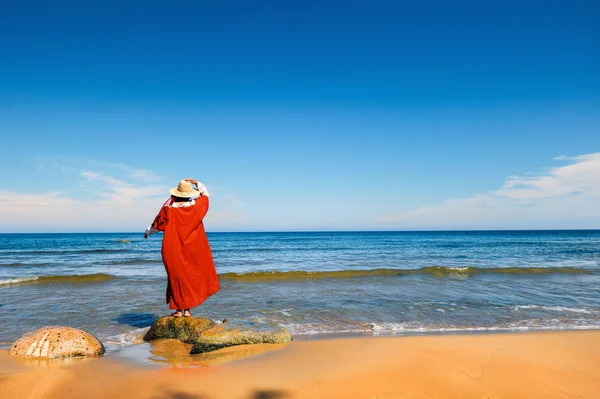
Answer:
(185, 250)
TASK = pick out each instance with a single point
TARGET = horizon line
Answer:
(323, 231)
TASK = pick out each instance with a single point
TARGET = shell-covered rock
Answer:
(225, 335)
(185, 329)
(55, 343)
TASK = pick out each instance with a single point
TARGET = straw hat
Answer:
(184, 190)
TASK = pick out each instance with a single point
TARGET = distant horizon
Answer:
(323, 231)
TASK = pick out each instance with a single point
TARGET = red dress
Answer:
(191, 272)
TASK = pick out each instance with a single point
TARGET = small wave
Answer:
(100, 251)
(525, 325)
(409, 328)
(123, 241)
(129, 262)
(64, 251)
(283, 249)
(304, 275)
(68, 279)
(470, 271)
(17, 280)
(436, 271)
(553, 309)
(127, 338)
(26, 264)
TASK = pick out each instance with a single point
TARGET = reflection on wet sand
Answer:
(174, 353)
(13, 365)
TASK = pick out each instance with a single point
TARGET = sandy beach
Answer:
(491, 366)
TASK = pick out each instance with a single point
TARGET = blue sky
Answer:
(301, 116)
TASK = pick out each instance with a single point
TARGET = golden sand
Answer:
(521, 366)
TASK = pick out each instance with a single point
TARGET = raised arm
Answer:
(201, 187)
(201, 203)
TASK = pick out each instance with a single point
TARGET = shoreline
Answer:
(113, 350)
(545, 365)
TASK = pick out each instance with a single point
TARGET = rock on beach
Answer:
(223, 336)
(206, 336)
(185, 329)
(55, 343)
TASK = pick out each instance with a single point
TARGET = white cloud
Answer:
(564, 197)
(113, 197)
(116, 206)
(144, 175)
(119, 191)
(121, 203)
(69, 164)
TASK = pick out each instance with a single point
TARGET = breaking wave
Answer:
(24, 264)
(435, 271)
(66, 251)
(69, 279)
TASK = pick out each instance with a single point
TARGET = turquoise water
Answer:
(382, 283)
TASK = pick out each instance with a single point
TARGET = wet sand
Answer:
(491, 366)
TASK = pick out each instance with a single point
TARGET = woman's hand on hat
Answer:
(193, 181)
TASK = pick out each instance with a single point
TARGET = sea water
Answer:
(322, 283)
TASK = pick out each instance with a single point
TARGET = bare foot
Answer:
(177, 314)
(187, 313)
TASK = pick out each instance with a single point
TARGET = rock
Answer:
(57, 342)
(206, 336)
(222, 336)
(185, 329)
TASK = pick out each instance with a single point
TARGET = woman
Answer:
(185, 250)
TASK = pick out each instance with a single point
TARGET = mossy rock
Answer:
(224, 335)
(56, 343)
(185, 329)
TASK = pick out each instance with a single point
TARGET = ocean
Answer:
(313, 283)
